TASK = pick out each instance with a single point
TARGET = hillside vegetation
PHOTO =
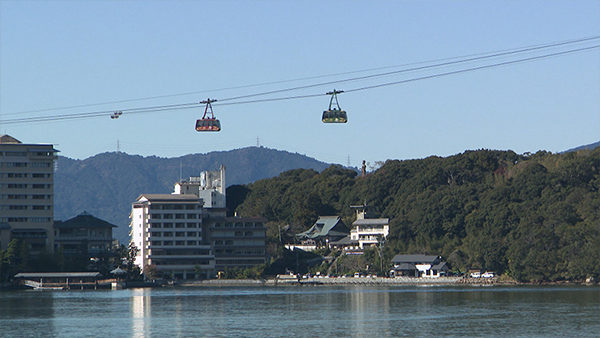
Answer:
(534, 217)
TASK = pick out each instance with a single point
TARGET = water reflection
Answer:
(25, 313)
(302, 311)
(141, 312)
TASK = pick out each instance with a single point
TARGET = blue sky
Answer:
(65, 53)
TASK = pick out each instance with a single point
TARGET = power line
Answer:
(195, 105)
(469, 58)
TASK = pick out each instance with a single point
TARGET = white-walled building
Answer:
(209, 186)
(167, 230)
(368, 231)
(27, 194)
(187, 231)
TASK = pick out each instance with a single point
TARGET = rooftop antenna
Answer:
(180, 170)
(118, 146)
(257, 141)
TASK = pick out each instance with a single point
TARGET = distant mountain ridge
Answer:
(585, 147)
(106, 184)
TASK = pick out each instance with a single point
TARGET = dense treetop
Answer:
(535, 217)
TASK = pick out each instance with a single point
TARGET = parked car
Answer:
(487, 274)
(476, 274)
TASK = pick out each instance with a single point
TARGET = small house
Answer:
(419, 266)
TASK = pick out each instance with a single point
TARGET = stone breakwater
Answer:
(327, 281)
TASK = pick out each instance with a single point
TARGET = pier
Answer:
(63, 280)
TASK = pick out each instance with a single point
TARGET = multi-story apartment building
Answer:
(368, 231)
(209, 186)
(167, 231)
(236, 242)
(27, 194)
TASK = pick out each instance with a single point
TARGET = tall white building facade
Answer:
(27, 194)
(167, 230)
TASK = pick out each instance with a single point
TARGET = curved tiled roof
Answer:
(83, 220)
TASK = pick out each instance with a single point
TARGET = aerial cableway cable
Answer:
(533, 58)
(463, 58)
(197, 104)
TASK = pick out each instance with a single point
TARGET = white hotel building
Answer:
(167, 230)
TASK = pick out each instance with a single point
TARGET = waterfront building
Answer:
(368, 231)
(27, 194)
(167, 230)
(419, 266)
(83, 235)
(236, 242)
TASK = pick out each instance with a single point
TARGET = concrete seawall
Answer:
(327, 281)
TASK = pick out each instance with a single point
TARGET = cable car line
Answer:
(476, 68)
(470, 57)
(407, 70)
(423, 77)
(197, 104)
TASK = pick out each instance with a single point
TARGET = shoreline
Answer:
(376, 281)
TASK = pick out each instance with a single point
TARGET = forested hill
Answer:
(536, 217)
(106, 184)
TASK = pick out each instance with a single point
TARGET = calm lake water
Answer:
(303, 311)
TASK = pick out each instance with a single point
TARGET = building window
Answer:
(40, 165)
(39, 219)
(15, 153)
